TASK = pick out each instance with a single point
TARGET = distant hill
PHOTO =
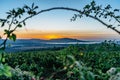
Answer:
(66, 40)
(60, 40)
(39, 44)
(28, 41)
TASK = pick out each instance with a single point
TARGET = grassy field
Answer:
(76, 62)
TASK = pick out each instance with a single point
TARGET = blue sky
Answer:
(59, 20)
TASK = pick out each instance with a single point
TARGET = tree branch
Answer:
(11, 23)
(50, 9)
(68, 9)
(116, 19)
(46, 10)
(3, 44)
(108, 26)
(75, 10)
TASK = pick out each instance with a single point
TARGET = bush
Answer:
(17, 74)
(94, 62)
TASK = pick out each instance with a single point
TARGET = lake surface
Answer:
(36, 44)
(25, 45)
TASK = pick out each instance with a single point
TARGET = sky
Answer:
(57, 24)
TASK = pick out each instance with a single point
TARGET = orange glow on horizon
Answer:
(62, 34)
(52, 36)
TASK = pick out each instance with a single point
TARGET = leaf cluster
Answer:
(106, 15)
(14, 20)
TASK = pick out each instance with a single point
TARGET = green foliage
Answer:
(84, 62)
(77, 71)
(14, 20)
(99, 60)
(17, 74)
(12, 37)
(114, 73)
(68, 63)
(5, 70)
(40, 63)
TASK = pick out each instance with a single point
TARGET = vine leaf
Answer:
(12, 37)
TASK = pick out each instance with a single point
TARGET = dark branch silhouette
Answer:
(90, 10)
(75, 10)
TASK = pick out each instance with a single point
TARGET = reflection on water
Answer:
(23, 46)
(73, 43)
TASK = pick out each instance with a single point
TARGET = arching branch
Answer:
(50, 9)
(75, 10)
(90, 10)
(108, 26)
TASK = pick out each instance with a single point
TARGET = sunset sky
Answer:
(57, 24)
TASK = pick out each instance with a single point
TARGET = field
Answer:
(76, 62)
